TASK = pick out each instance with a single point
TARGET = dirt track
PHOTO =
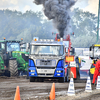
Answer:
(36, 90)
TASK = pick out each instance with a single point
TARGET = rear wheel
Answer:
(13, 67)
(7, 73)
(32, 79)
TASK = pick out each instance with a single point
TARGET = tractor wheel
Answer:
(13, 67)
(7, 73)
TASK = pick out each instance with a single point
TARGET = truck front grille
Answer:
(45, 67)
(45, 75)
(45, 62)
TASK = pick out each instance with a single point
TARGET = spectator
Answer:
(97, 71)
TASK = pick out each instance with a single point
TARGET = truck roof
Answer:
(9, 41)
(50, 43)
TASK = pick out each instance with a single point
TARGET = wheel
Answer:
(62, 79)
(40, 80)
(77, 73)
(27, 75)
(69, 74)
(7, 73)
(67, 77)
(13, 67)
(32, 79)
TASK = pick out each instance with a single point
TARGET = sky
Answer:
(24, 5)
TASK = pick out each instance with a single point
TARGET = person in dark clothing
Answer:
(77, 61)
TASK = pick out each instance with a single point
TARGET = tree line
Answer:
(15, 25)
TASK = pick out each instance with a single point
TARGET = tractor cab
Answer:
(10, 45)
(95, 51)
(94, 54)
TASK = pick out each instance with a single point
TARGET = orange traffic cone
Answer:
(52, 93)
(17, 94)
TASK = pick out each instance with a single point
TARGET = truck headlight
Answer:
(58, 74)
(58, 71)
(32, 70)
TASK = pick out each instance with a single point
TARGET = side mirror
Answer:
(27, 47)
(66, 49)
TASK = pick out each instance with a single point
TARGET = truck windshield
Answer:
(56, 50)
(96, 51)
(13, 46)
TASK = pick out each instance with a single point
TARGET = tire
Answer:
(7, 73)
(40, 80)
(77, 73)
(27, 73)
(13, 67)
(67, 78)
(62, 79)
(32, 79)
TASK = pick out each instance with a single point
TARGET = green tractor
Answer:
(13, 61)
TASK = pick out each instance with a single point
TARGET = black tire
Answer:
(7, 73)
(27, 75)
(62, 79)
(77, 73)
(32, 79)
(67, 76)
(40, 80)
(13, 67)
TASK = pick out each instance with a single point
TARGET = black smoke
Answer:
(59, 11)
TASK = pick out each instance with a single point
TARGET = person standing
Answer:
(97, 71)
(78, 61)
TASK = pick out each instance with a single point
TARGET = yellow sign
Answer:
(69, 58)
(97, 45)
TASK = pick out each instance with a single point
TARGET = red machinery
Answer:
(72, 70)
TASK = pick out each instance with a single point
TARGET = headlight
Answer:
(58, 74)
(58, 71)
(32, 70)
